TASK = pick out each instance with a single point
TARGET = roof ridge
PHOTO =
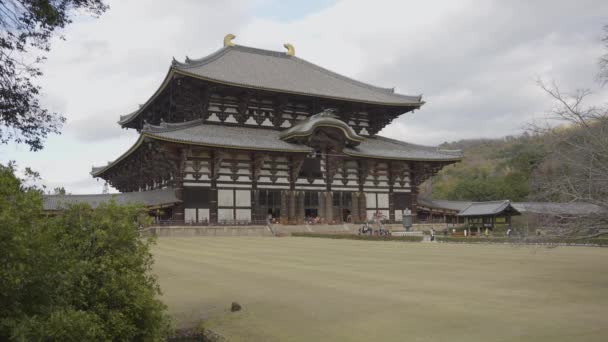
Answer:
(400, 142)
(493, 201)
(170, 126)
(191, 63)
(109, 194)
(73, 195)
(354, 81)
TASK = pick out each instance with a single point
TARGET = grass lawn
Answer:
(307, 289)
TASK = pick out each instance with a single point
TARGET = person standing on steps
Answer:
(432, 234)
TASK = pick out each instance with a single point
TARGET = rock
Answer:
(235, 307)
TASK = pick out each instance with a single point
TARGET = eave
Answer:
(173, 71)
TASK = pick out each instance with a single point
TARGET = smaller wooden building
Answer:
(491, 214)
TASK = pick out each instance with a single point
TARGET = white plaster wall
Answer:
(203, 215)
(225, 214)
(371, 200)
(225, 198)
(243, 214)
(382, 200)
(190, 215)
(243, 198)
(398, 215)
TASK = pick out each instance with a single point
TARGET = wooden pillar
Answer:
(179, 209)
(291, 213)
(321, 204)
(354, 210)
(255, 206)
(300, 212)
(284, 218)
(329, 207)
(214, 165)
(362, 207)
(392, 177)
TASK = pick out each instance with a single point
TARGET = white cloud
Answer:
(476, 63)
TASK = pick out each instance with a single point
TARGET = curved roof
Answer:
(254, 68)
(273, 70)
(247, 138)
(443, 204)
(324, 119)
(555, 208)
(151, 198)
(386, 148)
(489, 208)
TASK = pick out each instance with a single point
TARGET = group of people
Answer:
(367, 229)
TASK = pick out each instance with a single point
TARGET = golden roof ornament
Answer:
(291, 51)
(228, 40)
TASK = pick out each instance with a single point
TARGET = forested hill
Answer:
(492, 169)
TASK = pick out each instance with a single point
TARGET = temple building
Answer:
(244, 134)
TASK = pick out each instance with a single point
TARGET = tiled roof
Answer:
(443, 204)
(554, 208)
(150, 198)
(274, 70)
(550, 208)
(247, 138)
(488, 208)
(195, 132)
(386, 148)
(254, 68)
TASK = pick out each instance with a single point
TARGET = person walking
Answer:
(432, 234)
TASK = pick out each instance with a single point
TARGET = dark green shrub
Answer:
(81, 276)
(530, 240)
(360, 237)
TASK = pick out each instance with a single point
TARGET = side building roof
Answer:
(276, 71)
(489, 208)
(548, 208)
(152, 198)
(455, 206)
(555, 208)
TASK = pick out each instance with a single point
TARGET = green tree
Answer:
(26, 27)
(82, 276)
(492, 169)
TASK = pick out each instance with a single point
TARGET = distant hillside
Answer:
(492, 169)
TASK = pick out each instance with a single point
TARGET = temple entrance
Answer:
(342, 206)
(311, 207)
(269, 205)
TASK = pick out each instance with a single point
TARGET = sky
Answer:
(475, 62)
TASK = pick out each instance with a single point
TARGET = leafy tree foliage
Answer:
(81, 276)
(492, 169)
(27, 25)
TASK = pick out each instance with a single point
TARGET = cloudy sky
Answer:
(476, 62)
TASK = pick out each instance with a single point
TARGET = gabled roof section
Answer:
(443, 204)
(276, 71)
(151, 198)
(386, 148)
(197, 133)
(248, 138)
(324, 119)
(489, 208)
(556, 208)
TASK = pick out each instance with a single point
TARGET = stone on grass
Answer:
(235, 307)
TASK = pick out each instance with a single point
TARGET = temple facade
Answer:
(246, 134)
